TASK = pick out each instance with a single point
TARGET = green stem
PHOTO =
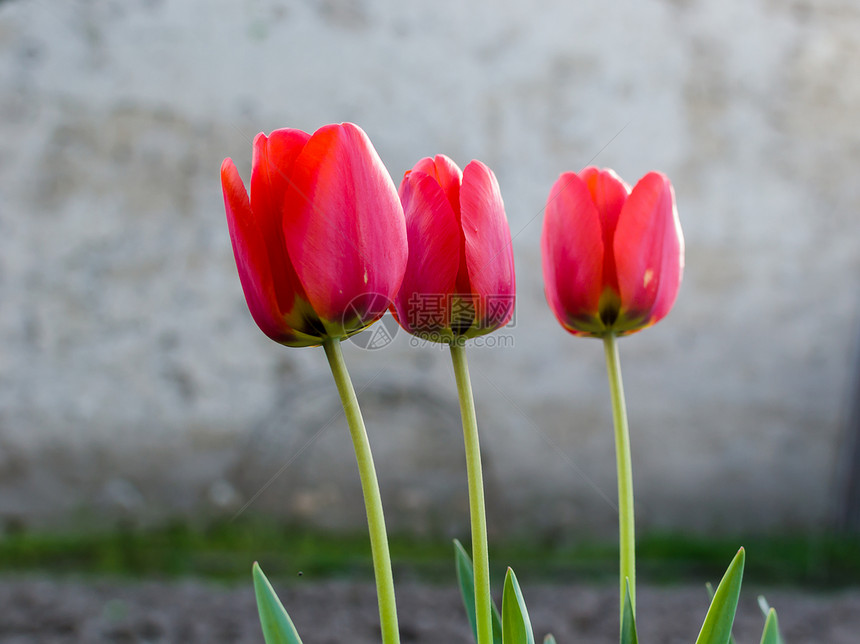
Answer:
(480, 556)
(626, 529)
(370, 489)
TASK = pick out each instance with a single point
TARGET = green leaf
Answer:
(763, 606)
(710, 588)
(497, 626)
(628, 622)
(466, 580)
(549, 639)
(516, 627)
(771, 634)
(717, 627)
(277, 626)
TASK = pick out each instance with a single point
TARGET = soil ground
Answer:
(44, 610)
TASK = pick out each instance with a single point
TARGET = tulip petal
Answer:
(422, 304)
(449, 177)
(649, 252)
(572, 251)
(277, 153)
(345, 231)
(271, 164)
(447, 174)
(252, 260)
(488, 248)
(608, 192)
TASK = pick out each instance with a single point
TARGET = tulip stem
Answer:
(370, 489)
(477, 511)
(626, 529)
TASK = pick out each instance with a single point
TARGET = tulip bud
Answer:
(320, 244)
(459, 280)
(612, 257)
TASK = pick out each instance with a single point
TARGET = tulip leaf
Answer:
(771, 634)
(516, 627)
(710, 588)
(549, 639)
(497, 626)
(763, 606)
(466, 580)
(277, 626)
(628, 621)
(717, 627)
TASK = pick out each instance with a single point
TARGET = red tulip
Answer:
(321, 243)
(459, 280)
(612, 257)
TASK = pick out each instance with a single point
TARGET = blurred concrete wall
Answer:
(134, 384)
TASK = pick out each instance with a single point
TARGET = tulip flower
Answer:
(321, 243)
(612, 257)
(459, 284)
(612, 264)
(459, 280)
(321, 248)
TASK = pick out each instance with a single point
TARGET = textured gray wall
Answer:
(134, 383)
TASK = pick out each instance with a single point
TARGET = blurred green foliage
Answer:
(225, 552)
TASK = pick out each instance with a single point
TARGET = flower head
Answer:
(320, 244)
(459, 280)
(612, 257)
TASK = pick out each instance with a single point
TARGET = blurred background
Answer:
(135, 389)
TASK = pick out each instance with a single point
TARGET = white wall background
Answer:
(133, 382)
